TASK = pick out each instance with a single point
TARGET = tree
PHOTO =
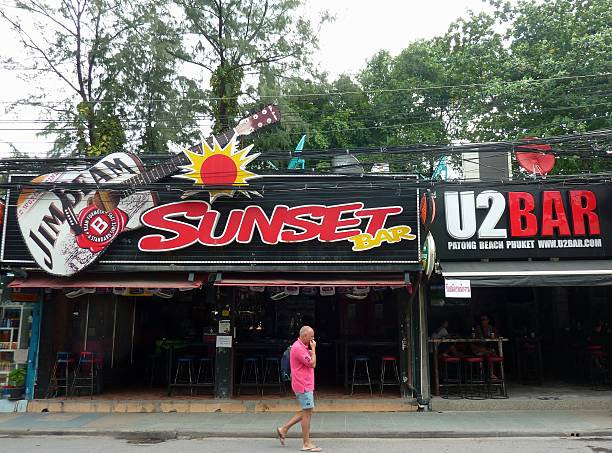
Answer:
(235, 41)
(100, 51)
(555, 77)
(167, 103)
(69, 42)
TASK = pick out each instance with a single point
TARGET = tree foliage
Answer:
(527, 68)
(114, 75)
(237, 41)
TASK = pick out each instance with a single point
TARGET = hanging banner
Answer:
(457, 288)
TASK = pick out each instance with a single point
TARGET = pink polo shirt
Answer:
(302, 374)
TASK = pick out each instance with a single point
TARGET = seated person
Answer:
(448, 349)
(442, 331)
(485, 330)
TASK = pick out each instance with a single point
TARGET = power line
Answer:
(564, 145)
(289, 122)
(344, 93)
(366, 128)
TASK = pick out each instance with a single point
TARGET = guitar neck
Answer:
(172, 165)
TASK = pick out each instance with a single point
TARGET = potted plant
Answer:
(16, 384)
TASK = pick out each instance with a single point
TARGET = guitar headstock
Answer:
(265, 117)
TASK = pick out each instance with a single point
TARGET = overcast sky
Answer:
(361, 29)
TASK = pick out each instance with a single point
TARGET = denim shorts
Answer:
(306, 400)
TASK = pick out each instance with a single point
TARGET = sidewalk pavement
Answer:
(340, 425)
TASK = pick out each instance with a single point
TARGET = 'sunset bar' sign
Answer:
(288, 225)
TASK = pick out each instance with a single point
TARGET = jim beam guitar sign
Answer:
(67, 229)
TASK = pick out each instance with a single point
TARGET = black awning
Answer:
(312, 279)
(115, 280)
(530, 273)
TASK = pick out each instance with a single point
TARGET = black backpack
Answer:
(286, 365)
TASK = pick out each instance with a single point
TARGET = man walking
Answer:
(303, 362)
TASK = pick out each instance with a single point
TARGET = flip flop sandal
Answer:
(312, 449)
(280, 437)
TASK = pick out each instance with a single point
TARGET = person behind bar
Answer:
(441, 331)
(303, 362)
(485, 330)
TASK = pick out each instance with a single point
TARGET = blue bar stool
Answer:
(86, 373)
(184, 372)
(361, 376)
(272, 374)
(250, 374)
(206, 371)
(60, 374)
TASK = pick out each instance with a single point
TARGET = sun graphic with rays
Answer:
(217, 166)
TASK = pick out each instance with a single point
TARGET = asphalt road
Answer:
(69, 444)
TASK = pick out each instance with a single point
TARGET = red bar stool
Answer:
(528, 363)
(494, 382)
(451, 377)
(474, 387)
(394, 379)
(598, 366)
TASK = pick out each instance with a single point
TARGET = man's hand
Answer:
(313, 353)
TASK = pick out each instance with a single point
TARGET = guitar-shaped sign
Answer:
(66, 230)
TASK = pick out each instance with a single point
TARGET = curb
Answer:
(171, 435)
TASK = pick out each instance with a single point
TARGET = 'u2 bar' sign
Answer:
(523, 223)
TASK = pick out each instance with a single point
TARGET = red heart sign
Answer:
(534, 159)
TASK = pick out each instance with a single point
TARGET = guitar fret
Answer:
(172, 165)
